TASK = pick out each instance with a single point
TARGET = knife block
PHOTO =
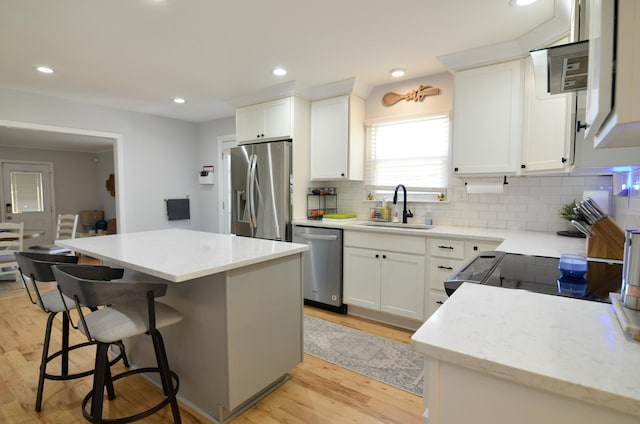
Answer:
(607, 240)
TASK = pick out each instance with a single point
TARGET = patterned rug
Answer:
(385, 360)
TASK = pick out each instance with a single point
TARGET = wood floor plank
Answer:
(317, 392)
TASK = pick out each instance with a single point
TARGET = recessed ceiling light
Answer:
(279, 72)
(44, 69)
(397, 73)
(178, 100)
(518, 3)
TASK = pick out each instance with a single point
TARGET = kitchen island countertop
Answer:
(179, 255)
(569, 347)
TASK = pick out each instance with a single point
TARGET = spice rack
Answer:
(321, 201)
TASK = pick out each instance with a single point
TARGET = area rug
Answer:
(382, 359)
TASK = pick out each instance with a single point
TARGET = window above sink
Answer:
(414, 151)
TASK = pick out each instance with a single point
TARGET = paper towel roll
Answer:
(487, 188)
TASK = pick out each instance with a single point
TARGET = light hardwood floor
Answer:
(317, 392)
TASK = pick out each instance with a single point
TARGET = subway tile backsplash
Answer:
(528, 203)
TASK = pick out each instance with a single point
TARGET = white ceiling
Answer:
(140, 54)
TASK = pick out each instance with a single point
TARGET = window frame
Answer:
(414, 194)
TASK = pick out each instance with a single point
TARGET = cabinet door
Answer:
(546, 131)
(601, 58)
(361, 274)
(329, 138)
(487, 129)
(277, 122)
(402, 285)
(249, 123)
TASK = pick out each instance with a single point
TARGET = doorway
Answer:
(27, 196)
(55, 138)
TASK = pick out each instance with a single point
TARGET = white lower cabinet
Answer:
(445, 257)
(385, 273)
(402, 275)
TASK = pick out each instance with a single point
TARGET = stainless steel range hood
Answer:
(564, 67)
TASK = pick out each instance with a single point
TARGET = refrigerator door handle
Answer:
(317, 237)
(247, 208)
(251, 181)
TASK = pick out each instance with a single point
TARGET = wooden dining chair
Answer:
(11, 239)
(67, 226)
(65, 229)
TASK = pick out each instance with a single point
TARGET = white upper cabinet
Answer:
(546, 132)
(337, 138)
(613, 88)
(265, 121)
(487, 131)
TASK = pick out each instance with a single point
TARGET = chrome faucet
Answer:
(405, 213)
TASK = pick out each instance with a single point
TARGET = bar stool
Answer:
(130, 310)
(36, 268)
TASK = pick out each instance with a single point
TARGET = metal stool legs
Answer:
(102, 379)
(64, 353)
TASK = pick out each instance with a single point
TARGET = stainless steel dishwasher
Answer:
(322, 265)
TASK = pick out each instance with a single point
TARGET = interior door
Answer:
(27, 197)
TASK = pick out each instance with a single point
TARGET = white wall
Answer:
(156, 158)
(105, 167)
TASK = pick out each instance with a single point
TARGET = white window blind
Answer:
(414, 153)
(26, 192)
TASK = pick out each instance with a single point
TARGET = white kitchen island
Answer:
(242, 305)
(498, 356)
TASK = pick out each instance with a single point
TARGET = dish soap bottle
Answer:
(428, 217)
(385, 210)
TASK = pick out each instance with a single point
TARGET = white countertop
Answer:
(569, 347)
(521, 242)
(179, 255)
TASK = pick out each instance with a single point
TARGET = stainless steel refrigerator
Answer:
(261, 190)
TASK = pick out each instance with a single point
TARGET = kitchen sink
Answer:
(398, 225)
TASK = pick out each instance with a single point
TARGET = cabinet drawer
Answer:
(386, 242)
(440, 269)
(443, 248)
(472, 248)
(436, 299)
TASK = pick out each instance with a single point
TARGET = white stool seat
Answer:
(124, 320)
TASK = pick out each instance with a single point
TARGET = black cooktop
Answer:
(539, 274)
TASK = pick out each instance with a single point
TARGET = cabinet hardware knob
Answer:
(440, 302)
(523, 166)
(445, 247)
(342, 174)
(445, 267)
(377, 256)
(581, 126)
(564, 160)
(455, 169)
(384, 256)
(475, 247)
